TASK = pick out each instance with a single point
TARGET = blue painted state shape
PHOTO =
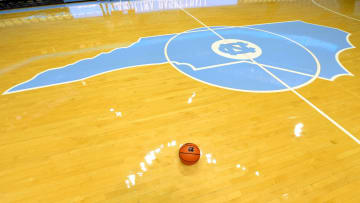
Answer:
(286, 52)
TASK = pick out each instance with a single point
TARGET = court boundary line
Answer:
(291, 89)
(340, 14)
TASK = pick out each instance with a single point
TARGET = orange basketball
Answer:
(189, 153)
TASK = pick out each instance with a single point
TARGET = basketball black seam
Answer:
(187, 153)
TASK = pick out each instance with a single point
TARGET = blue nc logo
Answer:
(235, 48)
(296, 52)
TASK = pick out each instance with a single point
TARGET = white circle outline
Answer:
(215, 48)
(318, 66)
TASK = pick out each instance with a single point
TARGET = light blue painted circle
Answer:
(190, 53)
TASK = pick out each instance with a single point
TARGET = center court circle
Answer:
(226, 59)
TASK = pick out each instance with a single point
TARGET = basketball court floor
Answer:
(97, 98)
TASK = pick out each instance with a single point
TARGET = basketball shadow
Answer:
(190, 170)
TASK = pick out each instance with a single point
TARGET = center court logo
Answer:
(295, 52)
(236, 49)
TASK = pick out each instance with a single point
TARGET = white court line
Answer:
(237, 62)
(211, 30)
(312, 105)
(340, 14)
(287, 86)
(212, 66)
(286, 70)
